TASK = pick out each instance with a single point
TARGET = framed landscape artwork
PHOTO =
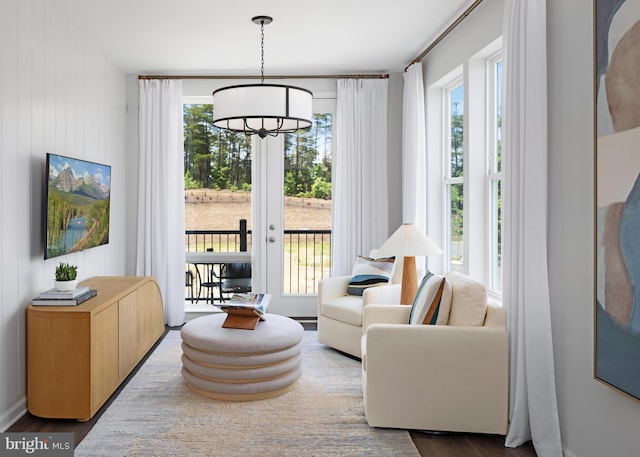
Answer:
(617, 169)
(78, 200)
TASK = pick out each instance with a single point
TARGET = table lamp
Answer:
(407, 241)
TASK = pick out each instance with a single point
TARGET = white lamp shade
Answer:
(408, 241)
(250, 108)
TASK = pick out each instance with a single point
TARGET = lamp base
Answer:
(409, 281)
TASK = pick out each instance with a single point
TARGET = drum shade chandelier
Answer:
(262, 109)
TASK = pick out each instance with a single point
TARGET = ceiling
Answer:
(218, 38)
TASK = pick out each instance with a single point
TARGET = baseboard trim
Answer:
(9, 417)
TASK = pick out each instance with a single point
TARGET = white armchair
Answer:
(435, 377)
(340, 314)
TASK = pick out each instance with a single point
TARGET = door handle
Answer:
(272, 239)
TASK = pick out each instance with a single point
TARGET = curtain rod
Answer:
(445, 33)
(378, 76)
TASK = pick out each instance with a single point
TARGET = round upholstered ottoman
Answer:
(239, 365)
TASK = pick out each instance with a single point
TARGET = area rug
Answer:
(157, 415)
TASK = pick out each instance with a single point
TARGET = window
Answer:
(494, 170)
(465, 180)
(454, 177)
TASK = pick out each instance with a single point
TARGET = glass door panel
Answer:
(218, 206)
(270, 198)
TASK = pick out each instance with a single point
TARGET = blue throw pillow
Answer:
(369, 272)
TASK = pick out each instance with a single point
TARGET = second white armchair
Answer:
(340, 314)
(451, 377)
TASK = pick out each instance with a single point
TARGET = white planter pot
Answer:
(64, 286)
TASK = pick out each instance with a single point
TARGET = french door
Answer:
(269, 231)
(292, 246)
(230, 178)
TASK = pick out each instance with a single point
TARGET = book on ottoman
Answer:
(245, 310)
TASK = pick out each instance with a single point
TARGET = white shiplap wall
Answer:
(58, 94)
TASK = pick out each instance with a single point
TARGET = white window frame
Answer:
(477, 74)
(447, 179)
(494, 177)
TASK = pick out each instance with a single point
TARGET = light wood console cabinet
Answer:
(77, 356)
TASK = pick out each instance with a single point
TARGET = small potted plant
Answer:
(66, 277)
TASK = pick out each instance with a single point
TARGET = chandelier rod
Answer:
(261, 51)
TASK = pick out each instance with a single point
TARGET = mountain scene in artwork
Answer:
(78, 204)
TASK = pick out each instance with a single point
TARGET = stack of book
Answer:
(244, 311)
(259, 302)
(54, 297)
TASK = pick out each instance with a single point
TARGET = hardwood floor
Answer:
(466, 445)
(428, 444)
(33, 424)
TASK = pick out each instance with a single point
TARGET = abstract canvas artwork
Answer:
(617, 162)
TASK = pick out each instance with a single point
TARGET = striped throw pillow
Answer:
(426, 305)
(369, 272)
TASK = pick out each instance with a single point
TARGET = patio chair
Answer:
(188, 283)
(234, 278)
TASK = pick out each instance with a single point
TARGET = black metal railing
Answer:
(307, 255)
(307, 259)
(219, 240)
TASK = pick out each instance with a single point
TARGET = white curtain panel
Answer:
(160, 240)
(533, 403)
(360, 201)
(414, 150)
